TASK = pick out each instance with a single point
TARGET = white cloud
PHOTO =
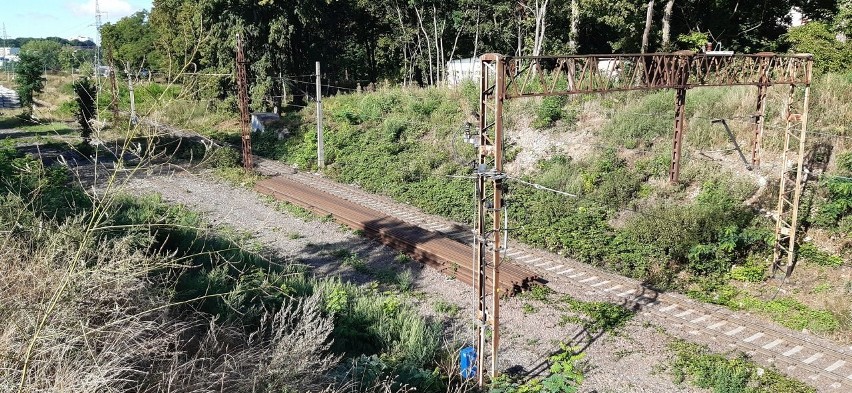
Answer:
(114, 9)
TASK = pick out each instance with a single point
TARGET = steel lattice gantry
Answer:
(505, 78)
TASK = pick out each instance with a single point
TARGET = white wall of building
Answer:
(461, 70)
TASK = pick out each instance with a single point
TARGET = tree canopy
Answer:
(131, 41)
(29, 76)
(411, 41)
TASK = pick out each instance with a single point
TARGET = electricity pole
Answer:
(320, 142)
(133, 118)
(242, 88)
(5, 54)
(114, 86)
(99, 43)
(490, 237)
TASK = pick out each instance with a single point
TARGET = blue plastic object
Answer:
(467, 362)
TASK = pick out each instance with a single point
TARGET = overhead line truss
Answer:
(504, 77)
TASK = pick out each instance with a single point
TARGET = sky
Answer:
(62, 18)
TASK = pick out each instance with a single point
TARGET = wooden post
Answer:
(114, 87)
(320, 144)
(133, 119)
(242, 91)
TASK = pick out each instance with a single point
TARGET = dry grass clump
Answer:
(87, 313)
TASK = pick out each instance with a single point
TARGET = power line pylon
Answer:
(242, 88)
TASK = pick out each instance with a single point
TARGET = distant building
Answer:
(81, 39)
(259, 120)
(7, 51)
(462, 70)
(9, 55)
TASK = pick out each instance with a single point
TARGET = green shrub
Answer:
(696, 364)
(705, 236)
(549, 111)
(68, 109)
(600, 316)
(368, 323)
(812, 254)
(837, 192)
(750, 272)
(223, 157)
(566, 375)
(818, 39)
(48, 191)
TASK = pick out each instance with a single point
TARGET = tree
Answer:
(842, 21)
(574, 27)
(649, 19)
(85, 91)
(48, 51)
(29, 73)
(667, 26)
(816, 38)
(131, 40)
(71, 58)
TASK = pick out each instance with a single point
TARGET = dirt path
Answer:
(628, 361)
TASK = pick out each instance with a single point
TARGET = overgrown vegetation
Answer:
(595, 317)
(695, 236)
(695, 364)
(102, 293)
(566, 375)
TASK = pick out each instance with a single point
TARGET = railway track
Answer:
(429, 247)
(822, 363)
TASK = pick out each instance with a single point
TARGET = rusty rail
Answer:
(429, 247)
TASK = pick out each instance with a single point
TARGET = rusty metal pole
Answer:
(499, 96)
(242, 91)
(480, 235)
(682, 74)
(760, 112)
(680, 119)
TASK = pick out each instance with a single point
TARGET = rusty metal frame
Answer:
(242, 92)
(504, 77)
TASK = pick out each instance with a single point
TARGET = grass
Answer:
(595, 317)
(443, 307)
(695, 364)
(538, 292)
(785, 310)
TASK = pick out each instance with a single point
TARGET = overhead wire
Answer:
(541, 187)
